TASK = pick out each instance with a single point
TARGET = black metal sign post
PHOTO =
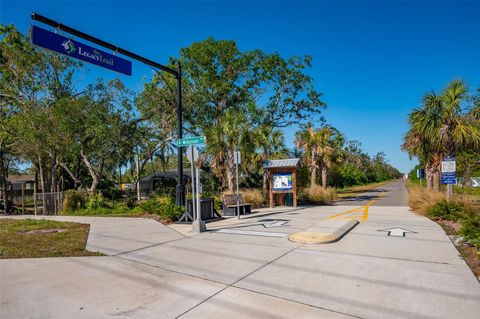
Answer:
(180, 198)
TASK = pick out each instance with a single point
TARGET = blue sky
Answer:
(372, 60)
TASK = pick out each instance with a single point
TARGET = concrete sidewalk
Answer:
(156, 272)
(117, 235)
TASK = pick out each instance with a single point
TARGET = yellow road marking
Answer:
(362, 209)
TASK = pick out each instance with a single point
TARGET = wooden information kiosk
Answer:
(282, 178)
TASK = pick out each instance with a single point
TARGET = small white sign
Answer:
(448, 165)
(192, 154)
(237, 157)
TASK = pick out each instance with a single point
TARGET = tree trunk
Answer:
(4, 185)
(467, 182)
(313, 176)
(429, 177)
(324, 176)
(95, 176)
(265, 180)
(76, 181)
(436, 181)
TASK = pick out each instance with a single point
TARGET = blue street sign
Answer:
(449, 178)
(420, 173)
(77, 50)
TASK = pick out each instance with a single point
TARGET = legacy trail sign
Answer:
(74, 49)
(67, 46)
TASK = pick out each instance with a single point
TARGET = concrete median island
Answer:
(324, 232)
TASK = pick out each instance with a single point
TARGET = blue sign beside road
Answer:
(449, 178)
(77, 50)
(420, 173)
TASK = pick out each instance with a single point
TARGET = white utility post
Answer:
(191, 158)
(198, 199)
(237, 160)
(198, 225)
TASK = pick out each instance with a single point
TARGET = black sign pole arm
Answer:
(180, 198)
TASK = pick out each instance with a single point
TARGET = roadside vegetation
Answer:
(29, 238)
(90, 138)
(160, 207)
(448, 124)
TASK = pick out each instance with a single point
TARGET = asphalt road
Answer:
(392, 194)
(393, 264)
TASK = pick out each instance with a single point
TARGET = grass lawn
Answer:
(106, 212)
(29, 238)
(355, 190)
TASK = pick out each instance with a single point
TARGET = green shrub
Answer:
(444, 209)
(164, 207)
(165, 186)
(217, 199)
(95, 201)
(74, 200)
(131, 200)
(471, 230)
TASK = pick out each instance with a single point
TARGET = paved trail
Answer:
(153, 271)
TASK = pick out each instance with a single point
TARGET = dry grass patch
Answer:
(253, 196)
(319, 195)
(421, 201)
(29, 238)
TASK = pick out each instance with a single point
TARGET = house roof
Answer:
(21, 178)
(166, 174)
(291, 162)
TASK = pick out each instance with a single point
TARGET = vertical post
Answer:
(270, 182)
(237, 159)
(137, 169)
(23, 198)
(198, 199)
(35, 197)
(449, 191)
(198, 224)
(294, 181)
(192, 180)
(180, 196)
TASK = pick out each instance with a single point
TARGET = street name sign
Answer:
(189, 141)
(74, 49)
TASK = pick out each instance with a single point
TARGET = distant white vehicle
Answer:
(475, 181)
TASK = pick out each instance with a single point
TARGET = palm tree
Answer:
(442, 126)
(319, 146)
(270, 144)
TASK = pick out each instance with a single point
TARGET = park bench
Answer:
(229, 202)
